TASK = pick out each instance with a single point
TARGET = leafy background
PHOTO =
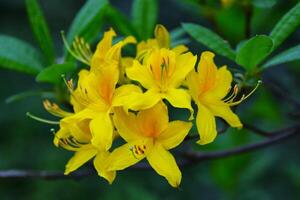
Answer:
(272, 173)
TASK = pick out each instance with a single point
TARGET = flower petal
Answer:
(141, 74)
(102, 131)
(129, 154)
(206, 125)
(162, 36)
(164, 164)
(184, 64)
(207, 71)
(102, 48)
(153, 120)
(179, 98)
(224, 111)
(174, 134)
(142, 101)
(180, 49)
(101, 165)
(193, 82)
(84, 154)
(222, 84)
(124, 94)
(126, 125)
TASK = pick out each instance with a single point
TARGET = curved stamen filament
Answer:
(81, 50)
(231, 101)
(41, 119)
(55, 110)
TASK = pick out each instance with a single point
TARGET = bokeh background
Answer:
(272, 173)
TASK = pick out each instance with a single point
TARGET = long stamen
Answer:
(244, 97)
(41, 119)
(78, 50)
(55, 110)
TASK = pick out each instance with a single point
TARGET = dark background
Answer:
(272, 173)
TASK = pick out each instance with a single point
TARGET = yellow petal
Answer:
(164, 164)
(102, 131)
(193, 82)
(141, 74)
(142, 101)
(222, 110)
(222, 85)
(129, 154)
(101, 165)
(180, 49)
(83, 155)
(63, 132)
(126, 125)
(162, 36)
(102, 48)
(179, 98)
(207, 70)
(153, 120)
(206, 125)
(125, 94)
(184, 64)
(174, 134)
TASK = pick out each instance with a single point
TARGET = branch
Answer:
(278, 136)
(190, 158)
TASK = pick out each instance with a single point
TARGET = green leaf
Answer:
(264, 3)
(286, 56)
(31, 93)
(209, 39)
(144, 17)
(53, 74)
(254, 51)
(120, 22)
(286, 25)
(88, 21)
(19, 56)
(40, 29)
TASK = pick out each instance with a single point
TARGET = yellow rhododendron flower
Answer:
(149, 134)
(208, 87)
(162, 74)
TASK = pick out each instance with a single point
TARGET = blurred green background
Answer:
(272, 173)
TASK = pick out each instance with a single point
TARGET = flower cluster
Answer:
(125, 97)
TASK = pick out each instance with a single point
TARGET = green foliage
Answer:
(53, 74)
(209, 39)
(120, 22)
(88, 21)
(40, 29)
(253, 51)
(286, 25)
(19, 56)
(144, 17)
(231, 23)
(289, 55)
(264, 3)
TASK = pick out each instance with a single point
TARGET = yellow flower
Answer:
(208, 87)
(162, 74)
(149, 135)
(161, 40)
(89, 131)
(75, 135)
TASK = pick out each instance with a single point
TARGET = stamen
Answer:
(231, 103)
(41, 119)
(80, 49)
(55, 110)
